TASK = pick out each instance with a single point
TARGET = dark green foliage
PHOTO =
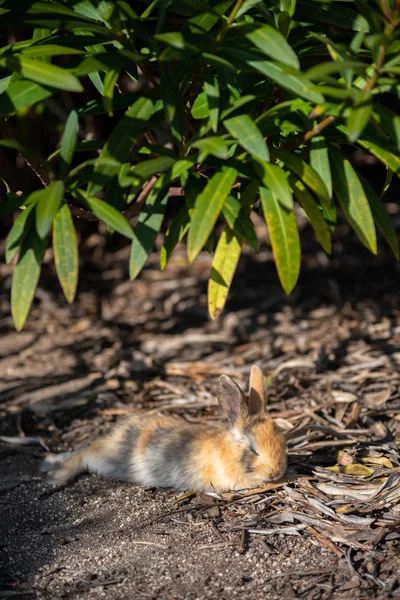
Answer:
(264, 98)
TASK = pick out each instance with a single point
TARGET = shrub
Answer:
(233, 101)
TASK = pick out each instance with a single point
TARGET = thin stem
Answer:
(229, 20)
(318, 128)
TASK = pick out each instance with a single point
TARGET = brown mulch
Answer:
(331, 354)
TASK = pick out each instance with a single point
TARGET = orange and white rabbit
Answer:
(169, 452)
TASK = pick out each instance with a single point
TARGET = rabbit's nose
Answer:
(276, 474)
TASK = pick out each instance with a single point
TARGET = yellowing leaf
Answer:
(380, 461)
(354, 469)
(65, 246)
(226, 258)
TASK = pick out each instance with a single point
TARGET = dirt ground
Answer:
(332, 354)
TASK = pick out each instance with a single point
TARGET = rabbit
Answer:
(169, 452)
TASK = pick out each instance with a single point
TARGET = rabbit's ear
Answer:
(257, 391)
(231, 398)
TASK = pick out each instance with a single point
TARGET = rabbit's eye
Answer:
(254, 451)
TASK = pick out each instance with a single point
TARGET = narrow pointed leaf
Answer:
(174, 235)
(352, 199)
(22, 94)
(226, 258)
(18, 232)
(108, 214)
(26, 276)
(287, 77)
(65, 247)
(110, 81)
(246, 132)
(211, 88)
(47, 206)
(43, 73)
(207, 209)
(319, 160)
(238, 219)
(284, 237)
(274, 178)
(310, 207)
(148, 168)
(381, 217)
(68, 143)
(147, 229)
(307, 174)
(272, 43)
(358, 118)
(390, 159)
(214, 145)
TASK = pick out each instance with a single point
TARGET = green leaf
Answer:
(272, 43)
(352, 199)
(312, 211)
(200, 108)
(149, 224)
(148, 168)
(214, 145)
(284, 238)
(40, 50)
(4, 83)
(207, 208)
(319, 160)
(172, 38)
(110, 81)
(389, 158)
(181, 223)
(381, 217)
(174, 235)
(359, 117)
(246, 132)
(211, 89)
(333, 13)
(390, 122)
(18, 232)
(22, 94)
(26, 276)
(238, 219)
(117, 148)
(43, 73)
(68, 143)
(173, 108)
(65, 247)
(288, 78)
(274, 178)
(226, 258)
(108, 214)
(47, 206)
(308, 175)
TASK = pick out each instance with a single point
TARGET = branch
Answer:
(318, 128)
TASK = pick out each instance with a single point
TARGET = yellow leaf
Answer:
(226, 258)
(380, 461)
(355, 469)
